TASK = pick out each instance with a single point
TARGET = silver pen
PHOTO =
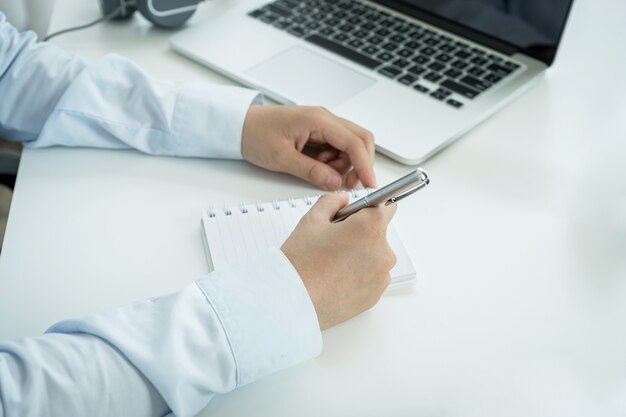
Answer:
(389, 194)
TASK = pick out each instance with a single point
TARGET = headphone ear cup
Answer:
(167, 13)
(110, 6)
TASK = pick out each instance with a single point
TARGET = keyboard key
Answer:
(401, 63)
(440, 94)
(494, 58)
(405, 53)
(375, 40)
(499, 69)
(443, 58)
(492, 78)
(459, 64)
(415, 35)
(447, 48)
(282, 24)
(477, 71)
(459, 88)
(412, 45)
(462, 54)
(341, 37)
(356, 43)
(390, 46)
(383, 32)
(511, 65)
(390, 72)
(256, 13)
(327, 31)
(478, 51)
(368, 26)
(398, 38)
(385, 56)
(361, 34)
(417, 70)
(298, 31)
(421, 88)
(346, 28)
(432, 77)
(436, 66)
(478, 60)
(343, 51)
(428, 51)
(454, 103)
(401, 28)
(371, 50)
(269, 18)
(430, 41)
(407, 79)
(421, 59)
(452, 73)
(313, 25)
(475, 83)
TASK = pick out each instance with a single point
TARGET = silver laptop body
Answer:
(330, 53)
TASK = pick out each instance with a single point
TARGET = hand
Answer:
(344, 266)
(310, 143)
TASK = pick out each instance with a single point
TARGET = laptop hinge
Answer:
(453, 27)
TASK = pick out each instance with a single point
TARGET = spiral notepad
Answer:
(235, 233)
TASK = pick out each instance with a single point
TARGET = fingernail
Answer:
(333, 182)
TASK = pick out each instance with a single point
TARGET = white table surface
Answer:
(519, 243)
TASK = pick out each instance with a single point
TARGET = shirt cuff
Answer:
(230, 328)
(209, 119)
(270, 320)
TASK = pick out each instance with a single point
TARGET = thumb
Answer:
(317, 173)
(328, 205)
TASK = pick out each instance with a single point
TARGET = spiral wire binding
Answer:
(292, 202)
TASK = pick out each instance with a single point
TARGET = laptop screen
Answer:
(532, 26)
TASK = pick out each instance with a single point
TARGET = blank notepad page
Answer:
(235, 233)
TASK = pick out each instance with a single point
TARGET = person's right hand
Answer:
(344, 266)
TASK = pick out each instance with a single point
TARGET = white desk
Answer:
(520, 245)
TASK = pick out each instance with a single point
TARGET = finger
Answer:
(341, 164)
(352, 179)
(366, 135)
(342, 138)
(328, 205)
(327, 155)
(317, 173)
(382, 213)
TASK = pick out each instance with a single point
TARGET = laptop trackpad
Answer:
(307, 77)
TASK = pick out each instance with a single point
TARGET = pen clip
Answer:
(407, 192)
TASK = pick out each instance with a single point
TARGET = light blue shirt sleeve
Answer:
(174, 352)
(50, 97)
(169, 354)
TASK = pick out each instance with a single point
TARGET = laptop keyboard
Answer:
(414, 55)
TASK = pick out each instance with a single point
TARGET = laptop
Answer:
(417, 73)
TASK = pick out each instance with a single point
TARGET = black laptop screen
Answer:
(531, 26)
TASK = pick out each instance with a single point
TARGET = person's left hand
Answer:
(310, 143)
